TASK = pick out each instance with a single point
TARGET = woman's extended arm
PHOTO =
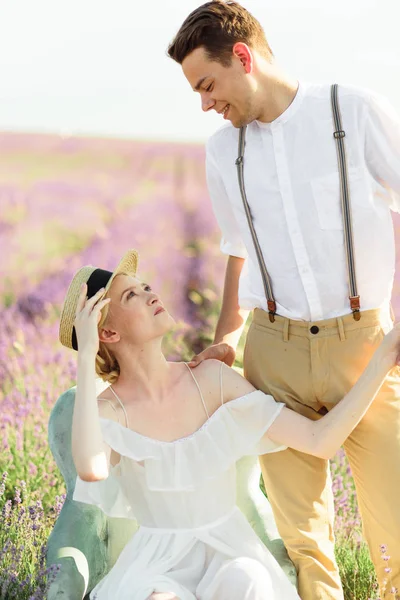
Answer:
(324, 437)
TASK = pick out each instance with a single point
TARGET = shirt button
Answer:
(314, 329)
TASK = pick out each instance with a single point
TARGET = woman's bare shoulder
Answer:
(107, 405)
(234, 384)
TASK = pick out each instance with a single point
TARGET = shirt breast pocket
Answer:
(327, 199)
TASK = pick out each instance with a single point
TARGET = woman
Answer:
(160, 445)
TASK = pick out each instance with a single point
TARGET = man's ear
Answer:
(244, 54)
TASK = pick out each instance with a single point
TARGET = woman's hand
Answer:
(387, 354)
(88, 315)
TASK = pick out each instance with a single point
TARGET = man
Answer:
(304, 208)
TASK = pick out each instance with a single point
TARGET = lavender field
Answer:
(67, 202)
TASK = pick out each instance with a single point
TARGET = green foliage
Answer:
(24, 531)
(356, 569)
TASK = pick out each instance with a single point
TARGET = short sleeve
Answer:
(231, 242)
(253, 416)
(382, 146)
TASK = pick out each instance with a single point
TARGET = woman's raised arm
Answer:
(90, 454)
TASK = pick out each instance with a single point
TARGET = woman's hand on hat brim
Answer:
(87, 317)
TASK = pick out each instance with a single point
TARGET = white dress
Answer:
(193, 540)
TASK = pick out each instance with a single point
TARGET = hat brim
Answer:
(128, 266)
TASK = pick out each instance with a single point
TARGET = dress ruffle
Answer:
(236, 429)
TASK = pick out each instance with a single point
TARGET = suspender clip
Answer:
(355, 307)
(339, 134)
(271, 310)
(239, 160)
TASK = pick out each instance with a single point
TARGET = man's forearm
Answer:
(232, 318)
(230, 327)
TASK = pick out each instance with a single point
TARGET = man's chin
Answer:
(239, 123)
(236, 122)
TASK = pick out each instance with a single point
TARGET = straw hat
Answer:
(95, 279)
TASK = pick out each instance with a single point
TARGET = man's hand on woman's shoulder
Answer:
(222, 352)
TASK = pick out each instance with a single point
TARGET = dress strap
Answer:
(110, 403)
(123, 407)
(198, 387)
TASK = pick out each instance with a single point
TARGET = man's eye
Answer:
(209, 88)
(133, 294)
(148, 288)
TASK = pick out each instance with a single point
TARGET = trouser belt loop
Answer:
(342, 335)
(286, 330)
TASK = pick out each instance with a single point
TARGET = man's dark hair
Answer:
(217, 26)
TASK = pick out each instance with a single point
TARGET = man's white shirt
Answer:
(291, 178)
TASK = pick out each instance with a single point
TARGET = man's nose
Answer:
(207, 104)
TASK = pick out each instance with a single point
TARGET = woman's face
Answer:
(136, 314)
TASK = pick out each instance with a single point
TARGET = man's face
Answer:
(227, 90)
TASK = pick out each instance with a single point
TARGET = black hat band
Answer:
(98, 279)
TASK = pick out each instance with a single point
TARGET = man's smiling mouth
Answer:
(224, 110)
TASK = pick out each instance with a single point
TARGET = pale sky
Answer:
(99, 67)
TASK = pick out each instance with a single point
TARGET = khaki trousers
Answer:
(310, 373)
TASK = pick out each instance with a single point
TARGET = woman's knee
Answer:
(248, 574)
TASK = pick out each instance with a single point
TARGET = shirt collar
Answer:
(290, 110)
